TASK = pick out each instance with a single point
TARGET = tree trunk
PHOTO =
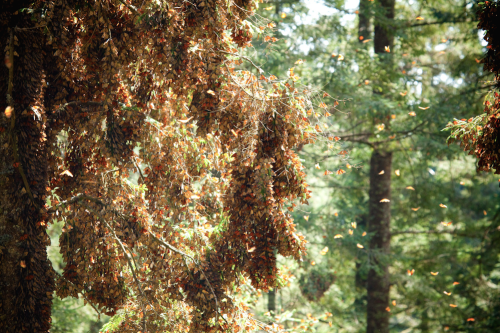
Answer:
(378, 284)
(378, 281)
(364, 20)
(271, 301)
(384, 29)
(26, 274)
(424, 323)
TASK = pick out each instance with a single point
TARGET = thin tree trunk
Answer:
(271, 301)
(378, 284)
(364, 20)
(424, 323)
(384, 29)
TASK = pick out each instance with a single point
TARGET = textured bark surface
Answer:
(26, 274)
(378, 283)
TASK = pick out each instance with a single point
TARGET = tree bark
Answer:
(378, 281)
(378, 284)
(26, 274)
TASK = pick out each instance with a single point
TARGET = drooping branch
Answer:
(126, 254)
(80, 197)
(241, 87)
(172, 248)
(84, 295)
(114, 81)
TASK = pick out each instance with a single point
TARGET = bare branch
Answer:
(365, 142)
(429, 232)
(411, 130)
(130, 7)
(243, 57)
(139, 169)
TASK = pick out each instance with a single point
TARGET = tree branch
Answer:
(127, 256)
(243, 57)
(84, 295)
(80, 197)
(437, 22)
(359, 141)
(411, 130)
(79, 104)
(32, 28)
(139, 169)
(417, 232)
(130, 7)
(241, 87)
(76, 198)
(10, 82)
(167, 245)
(356, 137)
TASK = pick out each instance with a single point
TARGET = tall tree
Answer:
(27, 277)
(379, 207)
(94, 91)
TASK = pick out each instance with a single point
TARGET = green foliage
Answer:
(113, 324)
(433, 76)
